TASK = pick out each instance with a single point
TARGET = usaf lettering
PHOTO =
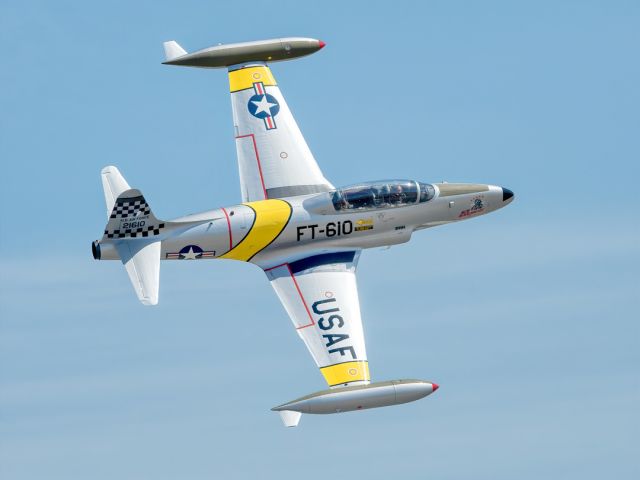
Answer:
(331, 322)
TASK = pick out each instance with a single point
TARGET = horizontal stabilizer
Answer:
(290, 418)
(142, 261)
(173, 50)
(113, 184)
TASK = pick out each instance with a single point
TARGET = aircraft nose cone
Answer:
(435, 387)
(506, 194)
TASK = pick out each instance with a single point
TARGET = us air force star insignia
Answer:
(191, 252)
(190, 255)
(263, 106)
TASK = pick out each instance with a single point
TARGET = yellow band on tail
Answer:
(245, 78)
(346, 372)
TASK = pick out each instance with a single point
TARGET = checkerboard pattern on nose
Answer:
(129, 207)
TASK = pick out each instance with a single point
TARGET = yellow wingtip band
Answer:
(244, 78)
(346, 373)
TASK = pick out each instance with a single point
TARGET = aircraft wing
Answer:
(273, 157)
(321, 297)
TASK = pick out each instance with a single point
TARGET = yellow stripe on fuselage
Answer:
(346, 372)
(271, 218)
(245, 78)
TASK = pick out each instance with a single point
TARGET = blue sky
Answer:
(527, 318)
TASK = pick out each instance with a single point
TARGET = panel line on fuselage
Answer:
(229, 227)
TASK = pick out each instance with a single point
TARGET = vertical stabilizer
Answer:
(131, 217)
(136, 234)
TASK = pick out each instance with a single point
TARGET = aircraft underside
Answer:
(293, 223)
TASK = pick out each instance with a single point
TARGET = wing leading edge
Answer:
(321, 297)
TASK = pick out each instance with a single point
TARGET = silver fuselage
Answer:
(268, 234)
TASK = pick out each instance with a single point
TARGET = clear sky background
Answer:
(527, 318)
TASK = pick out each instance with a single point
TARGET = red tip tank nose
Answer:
(321, 44)
(435, 387)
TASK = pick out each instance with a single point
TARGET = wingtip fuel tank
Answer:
(359, 397)
(222, 56)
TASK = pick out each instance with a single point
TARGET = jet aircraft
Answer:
(293, 223)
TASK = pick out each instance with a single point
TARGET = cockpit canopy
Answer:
(382, 194)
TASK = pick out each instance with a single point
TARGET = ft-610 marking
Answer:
(331, 229)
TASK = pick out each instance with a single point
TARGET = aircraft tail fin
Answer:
(131, 217)
(135, 234)
(173, 50)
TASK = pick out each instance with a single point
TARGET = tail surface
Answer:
(142, 261)
(133, 234)
(113, 184)
(173, 50)
(131, 217)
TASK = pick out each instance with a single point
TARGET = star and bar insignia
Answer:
(191, 252)
(264, 106)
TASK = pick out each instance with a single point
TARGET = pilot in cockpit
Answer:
(397, 195)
